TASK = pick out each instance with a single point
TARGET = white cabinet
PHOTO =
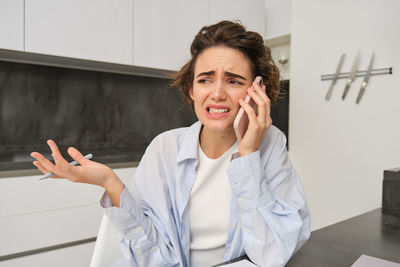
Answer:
(92, 29)
(36, 214)
(76, 256)
(149, 33)
(278, 18)
(164, 30)
(30, 231)
(250, 13)
(12, 24)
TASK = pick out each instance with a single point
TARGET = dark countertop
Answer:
(16, 161)
(374, 233)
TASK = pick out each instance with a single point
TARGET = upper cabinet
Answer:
(12, 24)
(164, 30)
(148, 33)
(278, 18)
(250, 13)
(98, 30)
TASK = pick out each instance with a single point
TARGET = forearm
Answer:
(272, 208)
(271, 234)
(143, 238)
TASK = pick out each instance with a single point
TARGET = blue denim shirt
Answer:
(269, 219)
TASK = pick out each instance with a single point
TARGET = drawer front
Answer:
(36, 214)
(22, 195)
(77, 256)
(38, 230)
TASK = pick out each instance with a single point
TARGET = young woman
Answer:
(199, 197)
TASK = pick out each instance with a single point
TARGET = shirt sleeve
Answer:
(273, 213)
(145, 240)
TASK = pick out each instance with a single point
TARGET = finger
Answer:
(261, 91)
(248, 109)
(40, 167)
(261, 104)
(58, 158)
(77, 156)
(255, 84)
(43, 169)
(47, 164)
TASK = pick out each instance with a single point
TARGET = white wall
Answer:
(338, 148)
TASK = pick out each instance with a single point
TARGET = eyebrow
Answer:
(227, 73)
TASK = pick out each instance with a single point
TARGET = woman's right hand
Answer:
(89, 172)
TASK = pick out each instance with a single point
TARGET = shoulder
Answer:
(170, 137)
(167, 143)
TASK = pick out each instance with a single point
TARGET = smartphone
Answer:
(242, 120)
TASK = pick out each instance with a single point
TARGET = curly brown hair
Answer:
(232, 35)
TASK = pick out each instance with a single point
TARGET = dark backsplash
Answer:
(90, 110)
(113, 116)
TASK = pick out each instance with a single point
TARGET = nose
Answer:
(219, 91)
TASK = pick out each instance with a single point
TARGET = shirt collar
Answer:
(190, 143)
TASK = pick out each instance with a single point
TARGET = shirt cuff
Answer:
(248, 182)
(125, 218)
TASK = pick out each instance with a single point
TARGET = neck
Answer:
(215, 143)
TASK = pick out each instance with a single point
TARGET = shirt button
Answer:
(139, 228)
(153, 248)
(240, 199)
(248, 230)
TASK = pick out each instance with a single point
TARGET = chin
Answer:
(218, 125)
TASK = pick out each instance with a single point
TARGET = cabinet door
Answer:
(250, 13)
(92, 29)
(278, 14)
(12, 24)
(164, 30)
(36, 214)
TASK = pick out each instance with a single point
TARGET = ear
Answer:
(191, 93)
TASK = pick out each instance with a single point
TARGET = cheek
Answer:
(239, 95)
(198, 97)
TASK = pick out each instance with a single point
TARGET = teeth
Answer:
(217, 110)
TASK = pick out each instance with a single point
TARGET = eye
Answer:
(235, 82)
(204, 80)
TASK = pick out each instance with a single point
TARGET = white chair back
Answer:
(107, 250)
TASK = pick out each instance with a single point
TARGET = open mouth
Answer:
(217, 110)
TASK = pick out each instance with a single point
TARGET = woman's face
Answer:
(221, 77)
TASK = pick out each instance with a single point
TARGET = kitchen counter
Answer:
(16, 161)
(374, 233)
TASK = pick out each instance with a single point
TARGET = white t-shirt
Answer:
(209, 206)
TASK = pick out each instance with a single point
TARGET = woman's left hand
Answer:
(258, 123)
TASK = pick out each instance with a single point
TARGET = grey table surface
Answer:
(374, 233)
